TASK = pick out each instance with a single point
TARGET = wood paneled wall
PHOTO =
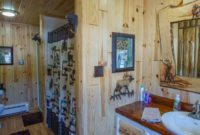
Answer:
(20, 80)
(97, 20)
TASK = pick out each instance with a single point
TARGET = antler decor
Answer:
(122, 88)
(196, 11)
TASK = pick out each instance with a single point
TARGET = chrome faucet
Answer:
(196, 112)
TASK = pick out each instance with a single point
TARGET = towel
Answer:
(151, 115)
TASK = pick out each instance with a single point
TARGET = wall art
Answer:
(6, 55)
(123, 52)
(122, 88)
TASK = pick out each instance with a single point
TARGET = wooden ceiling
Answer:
(29, 10)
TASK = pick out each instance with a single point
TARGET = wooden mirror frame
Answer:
(168, 76)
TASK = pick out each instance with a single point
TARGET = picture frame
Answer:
(123, 52)
(6, 55)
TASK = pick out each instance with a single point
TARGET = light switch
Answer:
(21, 62)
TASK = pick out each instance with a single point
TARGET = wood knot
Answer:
(144, 45)
(133, 19)
(157, 75)
(137, 10)
(125, 25)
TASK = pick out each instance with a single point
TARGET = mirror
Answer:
(186, 48)
(179, 37)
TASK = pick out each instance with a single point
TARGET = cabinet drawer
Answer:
(127, 129)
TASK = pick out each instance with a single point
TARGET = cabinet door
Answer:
(127, 129)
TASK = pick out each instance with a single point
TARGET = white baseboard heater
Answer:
(14, 109)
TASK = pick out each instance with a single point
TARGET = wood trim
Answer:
(42, 67)
(19, 23)
(55, 16)
(80, 130)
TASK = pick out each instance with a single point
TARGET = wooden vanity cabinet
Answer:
(125, 126)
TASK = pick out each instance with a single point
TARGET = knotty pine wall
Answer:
(20, 80)
(97, 20)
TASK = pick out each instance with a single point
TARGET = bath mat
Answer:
(31, 119)
(25, 132)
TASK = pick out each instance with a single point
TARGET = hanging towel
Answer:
(151, 115)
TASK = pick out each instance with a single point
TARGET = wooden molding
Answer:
(55, 16)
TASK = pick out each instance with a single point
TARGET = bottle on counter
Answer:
(150, 99)
(142, 93)
(177, 105)
(146, 96)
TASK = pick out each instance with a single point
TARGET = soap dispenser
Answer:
(177, 105)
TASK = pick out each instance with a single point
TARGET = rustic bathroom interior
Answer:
(99, 67)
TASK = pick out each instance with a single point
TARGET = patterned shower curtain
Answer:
(60, 93)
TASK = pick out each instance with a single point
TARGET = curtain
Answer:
(60, 93)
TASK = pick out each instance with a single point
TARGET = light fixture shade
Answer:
(9, 12)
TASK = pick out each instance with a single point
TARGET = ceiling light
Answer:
(8, 12)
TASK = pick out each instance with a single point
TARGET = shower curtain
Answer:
(60, 93)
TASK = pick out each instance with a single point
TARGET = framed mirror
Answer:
(123, 52)
(179, 30)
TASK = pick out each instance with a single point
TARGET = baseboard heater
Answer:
(14, 109)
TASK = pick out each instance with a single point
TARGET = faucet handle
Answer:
(196, 106)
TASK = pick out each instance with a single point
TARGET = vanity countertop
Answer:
(134, 112)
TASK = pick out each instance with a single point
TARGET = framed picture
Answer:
(123, 52)
(6, 55)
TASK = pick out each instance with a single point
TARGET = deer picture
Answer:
(168, 73)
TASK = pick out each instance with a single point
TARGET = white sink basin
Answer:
(180, 123)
